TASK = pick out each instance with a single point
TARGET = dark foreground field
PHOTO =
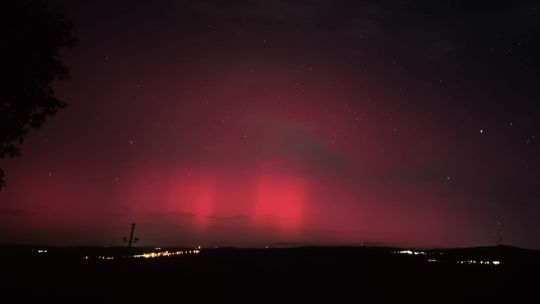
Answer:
(299, 275)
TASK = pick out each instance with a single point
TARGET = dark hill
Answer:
(299, 274)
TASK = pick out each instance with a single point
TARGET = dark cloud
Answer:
(287, 140)
(14, 212)
(257, 10)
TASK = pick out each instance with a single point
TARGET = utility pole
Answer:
(131, 239)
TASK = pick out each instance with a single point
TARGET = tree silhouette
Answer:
(32, 33)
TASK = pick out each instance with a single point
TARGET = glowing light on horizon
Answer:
(152, 255)
(195, 195)
(280, 200)
(410, 252)
(474, 262)
(107, 258)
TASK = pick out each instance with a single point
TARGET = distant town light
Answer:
(152, 255)
(472, 262)
(410, 252)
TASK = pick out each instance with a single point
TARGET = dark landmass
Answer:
(277, 275)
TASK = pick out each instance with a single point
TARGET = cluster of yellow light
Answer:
(105, 257)
(410, 252)
(470, 262)
(151, 255)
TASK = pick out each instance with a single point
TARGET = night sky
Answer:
(408, 123)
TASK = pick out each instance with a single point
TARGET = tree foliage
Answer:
(32, 33)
